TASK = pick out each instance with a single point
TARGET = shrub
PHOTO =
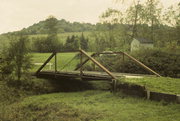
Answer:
(163, 62)
(16, 60)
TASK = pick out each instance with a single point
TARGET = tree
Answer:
(153, 15)
(113, 20)
(72, 43)
(16, 58)
(50, 25)
(83, 42)
(172, 18)
(135, 17)
(52, 39)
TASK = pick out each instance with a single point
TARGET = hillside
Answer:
(62, 25)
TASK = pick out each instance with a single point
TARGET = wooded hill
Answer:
(62, 26)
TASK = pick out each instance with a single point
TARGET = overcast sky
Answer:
(18, 14)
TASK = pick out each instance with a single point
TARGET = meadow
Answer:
(62, 60)
(89, 106)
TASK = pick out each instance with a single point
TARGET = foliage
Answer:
(166, 63)
(16, 59)
(62, 27)
(83, 42)
(46, 44)
(72, 43)
(163, 62)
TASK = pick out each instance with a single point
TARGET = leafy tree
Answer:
(49, 43)
(113, 20)
(16, 58)
(135, 17)
(50, 25)
(153, 15)
(172, 18)
(51, 40)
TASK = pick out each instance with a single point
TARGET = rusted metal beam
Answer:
(144, 66)
(135, 60)
(84, 62)
(50, 57)
(98, 64)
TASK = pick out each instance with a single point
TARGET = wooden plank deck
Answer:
(89, 75)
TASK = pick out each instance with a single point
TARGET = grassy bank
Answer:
(73, 102)
(158, 84)
(89, 106)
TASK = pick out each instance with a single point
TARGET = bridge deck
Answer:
(90, 75)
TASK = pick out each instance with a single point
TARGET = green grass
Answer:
(89, 106)
(65, 61)
(62, 60)
(158, 84)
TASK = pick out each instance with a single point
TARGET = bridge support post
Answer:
(114, 85)
(81, 63)
(55, 67)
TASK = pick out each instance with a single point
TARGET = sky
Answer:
(18, 14)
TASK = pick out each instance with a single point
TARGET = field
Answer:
(89, 106)
(62, 60)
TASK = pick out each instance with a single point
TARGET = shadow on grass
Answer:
(69, 85)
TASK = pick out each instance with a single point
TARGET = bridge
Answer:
(78, 72)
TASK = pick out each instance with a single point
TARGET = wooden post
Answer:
(81, 67)
(55, 63)
(114, 85)
(94, 65)
(123, 57)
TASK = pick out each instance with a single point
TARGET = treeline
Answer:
(141, 20)
(62, 27)
(73, 43)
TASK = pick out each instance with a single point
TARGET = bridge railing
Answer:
(124, 54)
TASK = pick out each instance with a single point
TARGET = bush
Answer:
(46, 44)
(16, 60)
(163, 62)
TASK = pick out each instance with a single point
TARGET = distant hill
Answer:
(62, 25)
